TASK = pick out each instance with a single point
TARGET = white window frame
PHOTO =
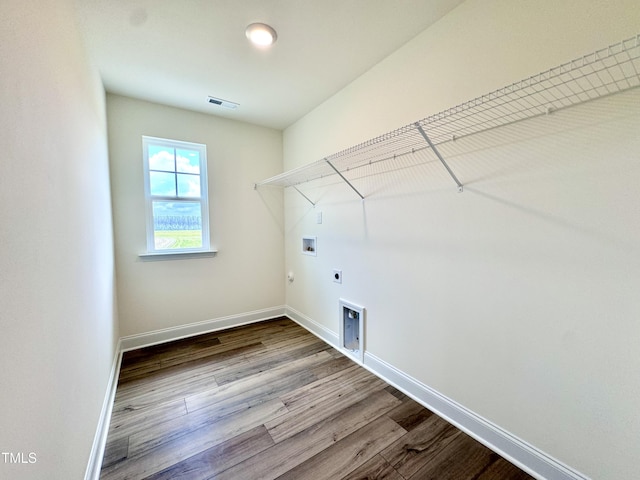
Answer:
(149, 199)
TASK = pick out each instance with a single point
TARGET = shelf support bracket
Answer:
(305, 197)
(343, 178)
(435, 150)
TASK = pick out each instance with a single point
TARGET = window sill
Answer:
(152, 257)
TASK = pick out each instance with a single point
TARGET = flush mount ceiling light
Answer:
(261, 35)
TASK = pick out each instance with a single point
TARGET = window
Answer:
(175, 182)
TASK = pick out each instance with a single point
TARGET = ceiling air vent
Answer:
(223, 103)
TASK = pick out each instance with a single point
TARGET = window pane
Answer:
(188, 161)
(161, 158)
(176, 195)
(188, 185)
(177, 225)
(162, 184)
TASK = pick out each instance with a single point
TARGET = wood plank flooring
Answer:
(269, 401)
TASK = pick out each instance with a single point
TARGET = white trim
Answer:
(520, 453)
(320, 331)
(100, 439)
(151, 257)
(155, 337)
(203, 199)
(132, 342)
(525, 456)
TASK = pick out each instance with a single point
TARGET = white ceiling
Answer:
(178, 52)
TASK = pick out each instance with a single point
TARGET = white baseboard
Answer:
(155, 337)
(100, 439)
(320, 331)
(520, 453)
(525, 456)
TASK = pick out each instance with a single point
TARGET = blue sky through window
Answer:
(171, 168)
(175, 173)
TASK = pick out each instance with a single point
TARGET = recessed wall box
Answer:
(309, 245)
(352, 330)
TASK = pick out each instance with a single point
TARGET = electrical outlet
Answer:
(337, 276)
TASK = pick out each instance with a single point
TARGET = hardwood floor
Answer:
(269, 401)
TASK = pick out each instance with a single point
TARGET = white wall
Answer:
(517, 298)
(57, 300)
(246, 226)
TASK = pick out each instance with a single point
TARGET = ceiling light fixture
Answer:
(261, 35)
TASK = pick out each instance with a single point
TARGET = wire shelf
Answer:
(604, 72)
